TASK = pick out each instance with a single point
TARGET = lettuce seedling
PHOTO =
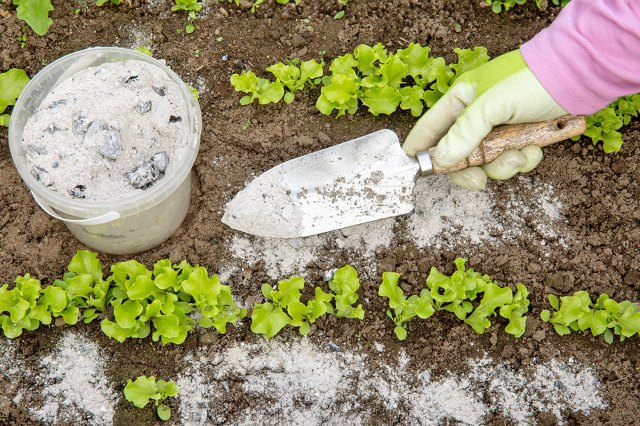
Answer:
(295, 78)
(607, 317)
(515, 312)
(494, 297)
(165, 298)
(187, 5)
(345, 285)
(510, 307)
(404, 309)
(84, 286)
(371, 76)
(145, 389)
(270, 317)
(35, 13)
(27, 305)
(257, 3)
(260, 89)
(212, 299)
(103, 2)
(12, 83)
(498, 5)
(456, 294)
(283, 305)
(603, 125)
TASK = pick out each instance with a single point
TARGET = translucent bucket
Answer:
(129, 225)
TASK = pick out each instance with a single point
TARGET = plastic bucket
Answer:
(129, 225)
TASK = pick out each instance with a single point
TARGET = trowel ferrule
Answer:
(425, 162)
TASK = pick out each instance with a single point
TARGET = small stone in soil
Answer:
(334, 347)
(159, 90)
(104, 138)
(539, 335)
(79, 124)
(78, 191)
(328, 275)
(143, 107)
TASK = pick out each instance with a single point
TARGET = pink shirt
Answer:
(590, 55)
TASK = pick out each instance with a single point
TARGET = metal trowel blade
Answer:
(358, 181)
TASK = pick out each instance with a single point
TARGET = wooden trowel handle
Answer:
(517, 136)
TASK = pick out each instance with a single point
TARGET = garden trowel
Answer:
(363, 180)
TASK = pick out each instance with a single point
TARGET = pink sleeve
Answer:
(590, 55)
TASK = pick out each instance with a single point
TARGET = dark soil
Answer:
(600, 192)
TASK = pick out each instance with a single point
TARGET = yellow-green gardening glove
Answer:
(502, 91)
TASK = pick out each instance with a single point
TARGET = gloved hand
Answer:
(502, 91)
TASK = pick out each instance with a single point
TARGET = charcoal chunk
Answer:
(174, 119)
(143, 176)
(79, 123)
(160, 161)
(159, 90)
(148, 172)
(36, 149)
(78, 191)
(41, 175)
(143, 107)
(105, 139)
(56, 104)
(52, 128)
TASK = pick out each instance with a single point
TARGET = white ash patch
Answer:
(160, 7)
(76, 388)
(296, 383)
(371, 236)
(536, 209)
(300, 383)
(567, 386)
(156, 3)
(379, 347)
(554, 387)
(13, 368)
(282, 257)
(449, 216)
(444, 208)
(200, 390)
(423, 400)
(11, 362)
(139, 37)
(449, 399)
(290, 256)
(226, 273)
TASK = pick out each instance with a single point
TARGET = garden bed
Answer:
(570, 225)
